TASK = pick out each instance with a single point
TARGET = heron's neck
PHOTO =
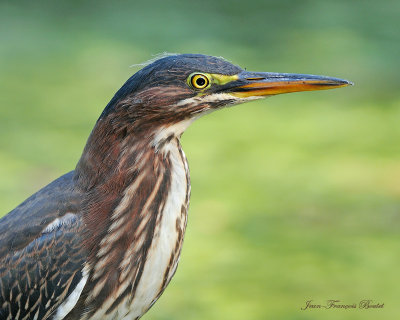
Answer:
(111, 153)
(136, 192)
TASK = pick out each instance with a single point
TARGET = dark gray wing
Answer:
(41, 252)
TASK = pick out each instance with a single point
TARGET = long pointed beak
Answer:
(258, 84)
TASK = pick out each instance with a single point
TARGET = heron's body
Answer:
(150, 232)
(103, 241)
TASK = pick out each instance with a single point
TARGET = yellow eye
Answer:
(199, 81)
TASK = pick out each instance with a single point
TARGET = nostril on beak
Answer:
(255, 78)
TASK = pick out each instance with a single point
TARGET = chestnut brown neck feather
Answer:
(108, 150)
(133, 122)
(126, 180)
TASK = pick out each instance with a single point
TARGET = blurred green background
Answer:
(294, 198)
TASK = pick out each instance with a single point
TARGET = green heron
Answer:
(103, 241)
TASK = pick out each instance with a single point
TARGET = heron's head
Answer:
(180, 88)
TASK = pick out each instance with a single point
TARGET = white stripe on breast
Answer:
(164, 240)
(163, 245)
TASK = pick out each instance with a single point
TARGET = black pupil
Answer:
(200, 82)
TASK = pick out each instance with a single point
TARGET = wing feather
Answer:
(41, 252)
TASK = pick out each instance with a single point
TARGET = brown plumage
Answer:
(103, 241)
